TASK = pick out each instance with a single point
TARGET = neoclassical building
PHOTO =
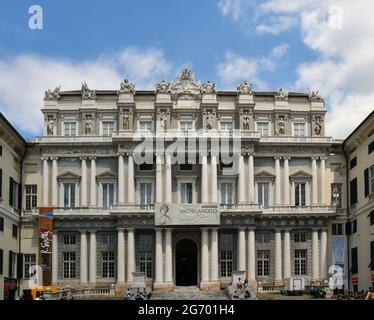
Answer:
(191, 219)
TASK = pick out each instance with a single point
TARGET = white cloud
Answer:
(231, 8)
(236, 68)
(277, 25)
(23, 79)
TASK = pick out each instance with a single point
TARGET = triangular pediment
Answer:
(300, 174)
(264, 174)
(106, 175)
(69, 175)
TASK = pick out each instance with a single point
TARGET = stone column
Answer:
(83, 258)
(323, 181)
(323, 274)
(214, 185)
(130, 180)
(130, 254)
(158, 180)
(278, 257)
(286, 254)
(168, 257)
(45, 182)
(54, 257)
(241, 180)
(251, 276)
(204, 179)
(168, 180)
(121, 256)
(314, 181)
(251, 179)
(278, 200)
(315, 255)
(93, 257)
(54, 182)
(93, 196)
(84, 183)
(286, 187)
(204, 256)
(159, 257)
(121, 179)
(214, 254)
(241, 249)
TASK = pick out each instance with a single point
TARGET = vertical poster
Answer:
(45, 244)
(339, 252)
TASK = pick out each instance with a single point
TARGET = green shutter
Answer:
(11, 191)
(366, 178)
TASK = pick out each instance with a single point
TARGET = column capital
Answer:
(214, 228)
(287, 158)
(121, 154)
(92, 231)
(204, 228)
(278, 158)
(83, 231)
(314, 158)
(251, 228)
(54, 158)
(158, 229)
(44, 158)
(92, 158)
(323, 158)
(120, 229)
(130, 229)
(82, 158)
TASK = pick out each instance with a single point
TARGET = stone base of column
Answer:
(163, 286)
(120, 288)
(278, 282)
(253, 284)
(210, 286)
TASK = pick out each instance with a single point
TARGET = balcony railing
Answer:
(294, 139)
(298, 210)
(72, 139)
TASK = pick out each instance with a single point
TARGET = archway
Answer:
(186, 263)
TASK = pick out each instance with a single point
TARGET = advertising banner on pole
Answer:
(45, 244)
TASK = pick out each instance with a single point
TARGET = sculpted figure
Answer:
(209, 120)
(245, 88)
(126, 121)
(163, 121)
(246, 121)
(208, 87)
(127, 87)
(50, 126)
(52, 95)
(86, 92)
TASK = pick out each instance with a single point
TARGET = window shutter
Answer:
(10, 264)
(348, 228)
(11, 191)
(372, 255)
(1, 261)
(19, 196)
(353, 189)
(1, 183)
(19, 265)
(366, 178)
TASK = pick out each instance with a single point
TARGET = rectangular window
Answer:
(263, 263)
(1, 261)
(186, 125)
(299, 129)
(300, 194)
(300, 262)
(372, 255)
(12, 264)
(69, 265)
(29, 261)
(31, 196)
(337, 229)
(336, 195)
(226, 189)
(263, 237)
(108, 128)
(146, 193)
(1, 224)
(69, 195)
(145, 263)
(354, 226)
(1, 183)
(371, 218)
(300, 237)
(371, 147)
(226, 263)
(69, 239)
(13, 193)
(146, 167)
(263, 128)
(186, 167)
(107, 239)
(354, 257)
(371, 179)
(14, 231)
(108, 195)
(108, 264)
(145, 125)
(353, 162)
(226, 125)
(186, 192)
(70, 129)
(353, 189)
(263, 193)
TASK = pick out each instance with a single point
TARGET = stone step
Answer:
(189, 293)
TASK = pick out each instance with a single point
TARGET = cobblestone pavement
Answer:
(189, 293)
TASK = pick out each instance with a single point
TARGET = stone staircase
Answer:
(189, 293)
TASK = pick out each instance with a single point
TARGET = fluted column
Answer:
(204, 255)
(251, 276)
(323, 181)
(214, 254)
(286, 254)
(84, 183)
(323, 274)
(168, 256)
(83, 258)
(158, 179)
(54, 257)
(45, 182)
(315, 255)
(278, 200)
(241, 180)
(314, 181)
(121, 256)
(241, 249)
(130, 254)
(130, 179)
(168, 180)
(93, 196)
(204, 179)
(278, 256)
(159, 257)
(214, 193)
(93, 257)
(251, 179)
(54, 182)
(286, 187)
(121, 179)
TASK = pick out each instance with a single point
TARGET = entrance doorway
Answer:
(186, 263)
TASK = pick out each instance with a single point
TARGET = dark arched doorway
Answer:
(186, 263)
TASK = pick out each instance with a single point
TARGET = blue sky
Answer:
(272, 43)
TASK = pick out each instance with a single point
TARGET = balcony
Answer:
(72, 139)
(296, 140)
(307, 210)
